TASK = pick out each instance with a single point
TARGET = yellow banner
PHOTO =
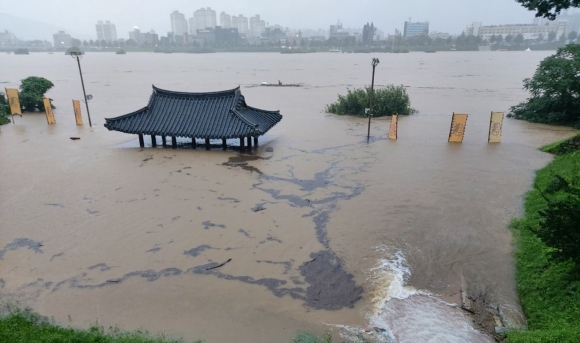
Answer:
(457, 128)
(77, 108)
(48, 109)
(495, 123)
(393, 129)
(12, 95)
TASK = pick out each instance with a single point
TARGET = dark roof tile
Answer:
(201, 115)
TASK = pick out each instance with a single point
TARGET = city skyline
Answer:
(444, 16)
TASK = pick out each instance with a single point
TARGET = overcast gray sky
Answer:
(452, 16)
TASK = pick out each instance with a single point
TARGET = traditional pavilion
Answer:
(216, 115)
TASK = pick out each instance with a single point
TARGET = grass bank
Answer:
(24, 326)
(548, 291)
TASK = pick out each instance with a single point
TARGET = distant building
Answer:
(368, 34)
(527, 31)
(136, 36)
(473, 30)
(228, 37)
(149, 38)
(572, 22)
(241, 23)
(336, 31)
(61, 40)
(415, 29)
(274, 34)
(257, 26)
(178, 24)
(439, 35)
(204, 18)
(225, 20)
(7, 38)
(106, 31)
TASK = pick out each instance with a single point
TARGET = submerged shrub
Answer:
(32, 90)
(4, 110)
(386, 101)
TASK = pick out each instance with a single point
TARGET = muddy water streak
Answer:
(101, 230)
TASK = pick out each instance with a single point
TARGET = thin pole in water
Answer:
(84, 92)
(370, 114)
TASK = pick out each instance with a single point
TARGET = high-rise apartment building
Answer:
(106, 31)
(368, 34)
(257, 26)
(178, 24)
(416, 29)
(225, 20)
(241, 23)
(61, 40)
(204, 18)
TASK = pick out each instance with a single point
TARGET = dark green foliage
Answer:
(548, 291)
(554, 90)
(4, 110)
(32, 90)
(560, 224)
(74, 49)
(23, 326)
(548, 8)
(386, 101)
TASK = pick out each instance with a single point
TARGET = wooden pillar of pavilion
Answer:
(153, 141)
(141, 142)
(256, 142)
(164, 140)
(224, 145)
(207, 144)
(242, 144)
(174, 142)
(249, 142)
(193, 143)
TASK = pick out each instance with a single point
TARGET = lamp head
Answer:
(375, 62)
(76, 54)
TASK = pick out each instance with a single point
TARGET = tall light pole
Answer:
(370, 111)
(78, 55)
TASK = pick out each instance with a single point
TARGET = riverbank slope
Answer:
(549, 295)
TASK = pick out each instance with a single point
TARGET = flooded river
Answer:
(324, 231)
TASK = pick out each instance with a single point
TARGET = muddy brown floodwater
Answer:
(315, 230)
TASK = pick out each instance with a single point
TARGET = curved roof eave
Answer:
(165, 91)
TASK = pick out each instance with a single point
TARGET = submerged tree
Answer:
(32, 90)
(554, 89)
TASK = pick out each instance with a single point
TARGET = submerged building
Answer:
(215, 115)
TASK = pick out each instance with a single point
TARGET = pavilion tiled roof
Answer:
(211, 115)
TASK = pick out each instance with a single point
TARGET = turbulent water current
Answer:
(322, 229)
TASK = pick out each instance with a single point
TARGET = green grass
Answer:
(549, 295)
(306, 337)
(563, 147)
(24, 326)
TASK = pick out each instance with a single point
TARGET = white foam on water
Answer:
(408, 315)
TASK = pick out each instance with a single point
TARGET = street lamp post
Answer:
(78, 55)
(370, 111)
